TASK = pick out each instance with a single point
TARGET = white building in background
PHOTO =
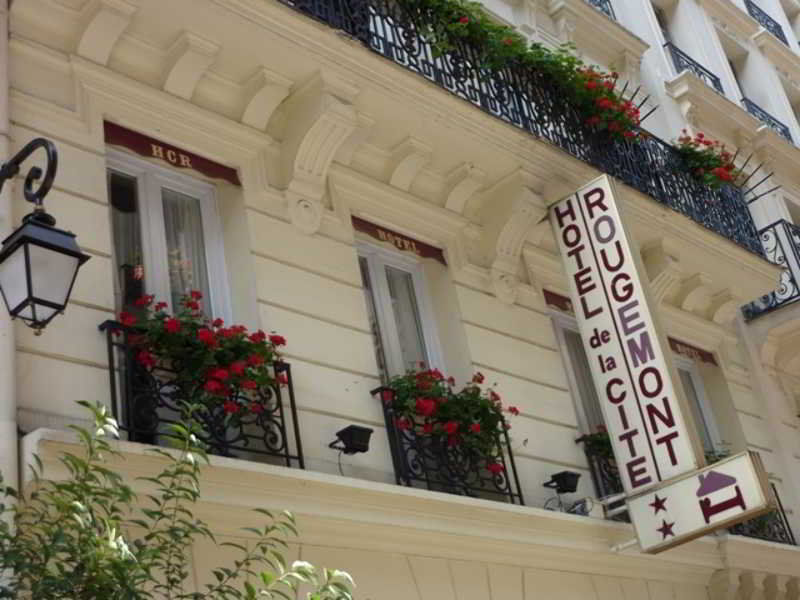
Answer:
(314, 171)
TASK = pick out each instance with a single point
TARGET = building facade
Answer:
(316, 170)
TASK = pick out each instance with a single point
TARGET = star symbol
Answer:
(659, 504)
(666, 529)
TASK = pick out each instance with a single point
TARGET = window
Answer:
(698, 403)
(167, 236)
(400, 318)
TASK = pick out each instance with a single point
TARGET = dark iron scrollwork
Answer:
(12, 167)
(606, 479)
(605, 7)
(429, 462)
(766, 118)
(766, 21)
(534, 102)
(147, 401)
(781, 241)
(684, 62)
(771, 527)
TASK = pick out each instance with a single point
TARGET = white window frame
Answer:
(150, 180)
(688, 365)
(561, 322)
(378, 257)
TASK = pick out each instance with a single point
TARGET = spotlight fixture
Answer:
(352, 439)
(565, 482)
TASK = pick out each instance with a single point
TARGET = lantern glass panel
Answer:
(52, 274)
(13, 280)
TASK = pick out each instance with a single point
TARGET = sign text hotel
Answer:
(628, 364)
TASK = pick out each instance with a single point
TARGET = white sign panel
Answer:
(641, 411)
(717, 496)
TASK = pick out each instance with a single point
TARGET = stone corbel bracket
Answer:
(264, 91)
(320, 117)
(663, 269)
(724, 308)
(564, 18)
(513, 207)
(462, 183)
(406, 161)
(695, 294)
(188, 59)
(105, 22)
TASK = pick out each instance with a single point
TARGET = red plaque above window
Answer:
(399, 241)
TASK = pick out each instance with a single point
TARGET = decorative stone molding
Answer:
(723, 585)
(695, 294)
(264, 91)
(776, 587)
(663, 269)
(407, 159)
(517, 207)
(525, 17)
(462, 183)
(565, 18)
(724, 308)
(106, 21)
(751, 585)
(188, 59)
(320, 117)
(356, 139)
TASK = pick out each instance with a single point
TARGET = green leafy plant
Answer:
(74, 538)
(472, 418)
(450, 25)
(597, 443)
(707, 160)
(217, 367)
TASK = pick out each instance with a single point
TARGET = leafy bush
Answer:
(71, 539)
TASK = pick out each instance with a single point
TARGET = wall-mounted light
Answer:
(38, 262)
(352, 439)
(565, 482)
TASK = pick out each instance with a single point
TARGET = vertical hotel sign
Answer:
(642, 413)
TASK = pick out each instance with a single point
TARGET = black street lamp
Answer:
(38, 262)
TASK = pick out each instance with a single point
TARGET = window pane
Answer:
(697, 412)
(406, 316)
(186, 253)
(374, 326)
(127, 233)
(583, 380)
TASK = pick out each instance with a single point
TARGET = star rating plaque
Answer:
(692, 505)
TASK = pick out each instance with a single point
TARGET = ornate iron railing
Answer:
(604, 6)
(766, 118)
(427, 461)
(606, 479)
(684, 62)
(781, 242)
(771, 527)
(766, 21)
(534, 102)
(146, 402)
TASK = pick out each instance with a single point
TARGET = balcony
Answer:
(766, 21)
(534, 103)
(605, 7)
(683, 62)
(429, 462)
(771, 527)
(768, 120)
(147, 402)
(782, 246)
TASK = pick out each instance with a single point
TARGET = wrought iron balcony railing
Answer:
(146, 402)
(429, 462)
(771, 527)
(766, 118)
(606, 479)
(684, 62)
(534, 102)
(781, 242)
(766, 21)
(604, 6)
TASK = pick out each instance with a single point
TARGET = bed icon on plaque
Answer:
(690, 506)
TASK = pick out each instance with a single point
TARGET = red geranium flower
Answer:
(218, 323)
(146, 359)
(172, 325)
(258, 336)
(495, 468)
(508, 41)
(206, 336)
(127, 319)
(277, 340)
(238, 367)
(464, 20)
(160, 306)
(282, 379)
(219, 374)
(475, 428)
(427, 428)
(451, 427)
(513, 410)
(192, 305)
(591, 84)
(257, 408)
(478, 377)
(145, 300)
(213, 386)
(249, 384)
(230, 407)
(255, 359)
(451, 381)
(402, 424)
(436, 374)
(494, 396)
(196, 295)
(425, 406)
